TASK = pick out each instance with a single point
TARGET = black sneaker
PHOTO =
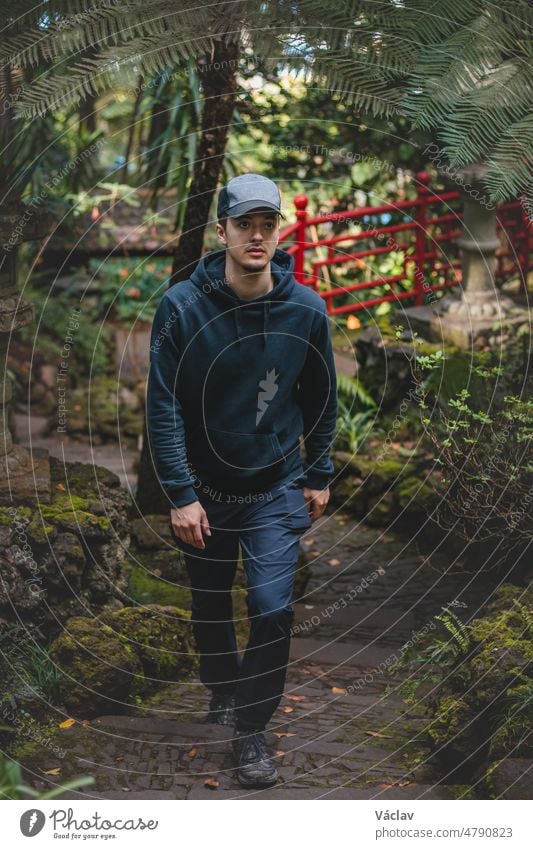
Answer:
(221, 710)
(254, 767)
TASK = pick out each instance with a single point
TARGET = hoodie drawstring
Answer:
(266, 316)
(237, 328)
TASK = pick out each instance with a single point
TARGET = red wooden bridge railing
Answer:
(423, 230)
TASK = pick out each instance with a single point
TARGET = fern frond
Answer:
(354, 390)
(483, 115)
(459, 68)
(509, 163)
(99, 27)
(92, 76)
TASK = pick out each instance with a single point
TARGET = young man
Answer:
(242, 367)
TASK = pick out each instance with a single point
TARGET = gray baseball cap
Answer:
(248, 192)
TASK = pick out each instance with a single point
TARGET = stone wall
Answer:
(64, 558)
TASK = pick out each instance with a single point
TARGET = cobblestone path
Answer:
(335, 734)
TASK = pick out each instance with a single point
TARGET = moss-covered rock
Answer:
(506, 595)
(65, 557)
(151, 532)
(453, 719)
(146, 588)
(379, 476)
(106, 662)
(70, 513)
(107, 412)
(415, 496)
(160, 635)
(485, 707)
(380, 490)
(510, 778)
(514, 735)
(22, 512)
(101, 669)
(32, 742)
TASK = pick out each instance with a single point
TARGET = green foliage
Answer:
(372, 268)
(356, 411)
(172, 107)
(131, 288)
(475, 681)
(89, 353)
(481, 437)
(49, 159)
(13, 787)
(431, 659)
(110, 193)
(460, 76)
(308, 134)
(32, 666)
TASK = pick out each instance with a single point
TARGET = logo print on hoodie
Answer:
(268, 389)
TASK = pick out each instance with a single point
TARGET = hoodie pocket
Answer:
(297, 513)
(235, 454)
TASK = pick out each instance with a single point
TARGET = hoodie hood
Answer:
(209, 277)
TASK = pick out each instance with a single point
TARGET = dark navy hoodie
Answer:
(234, 383)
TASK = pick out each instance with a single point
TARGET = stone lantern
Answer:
(480, 306)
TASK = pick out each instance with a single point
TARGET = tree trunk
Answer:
(220, 91)
(87, 114)
(131, 133)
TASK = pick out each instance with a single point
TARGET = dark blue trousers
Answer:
(268, 530)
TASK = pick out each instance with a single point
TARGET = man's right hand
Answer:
(188, 522)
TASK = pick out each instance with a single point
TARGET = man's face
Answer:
(251, 240)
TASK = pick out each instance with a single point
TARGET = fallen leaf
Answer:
(211, 782)
(192, 753)
(296, 698)
(85, 722)
(378, 734)
(280, 752)
(334, 562)
(67, 723)
(338, 691)
(284, 733)
(287, 709)
(60, 486)
(315, 552)
(55, 771)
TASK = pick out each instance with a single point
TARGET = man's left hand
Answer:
(316, 501)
